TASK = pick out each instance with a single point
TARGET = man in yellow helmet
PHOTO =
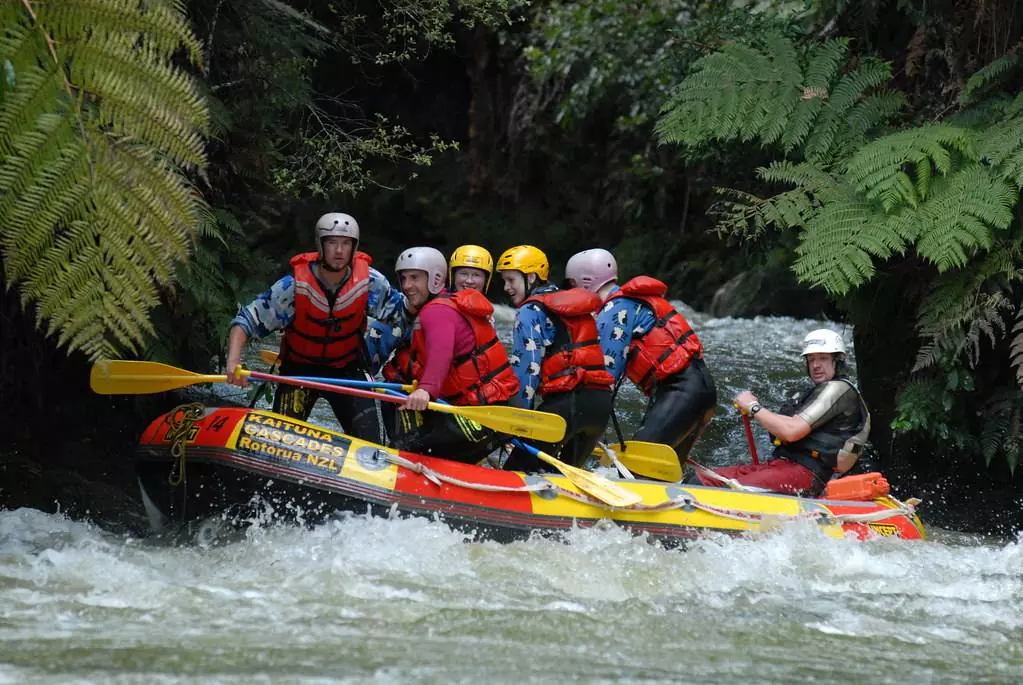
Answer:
(556, 355)
(470, 266)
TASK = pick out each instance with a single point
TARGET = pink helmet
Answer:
(592, 269)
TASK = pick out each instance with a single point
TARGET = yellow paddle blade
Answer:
(650, 459)
(593, 484)
(119, 377)
(525, 423)
(269, 356)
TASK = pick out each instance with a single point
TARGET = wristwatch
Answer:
(754, 408)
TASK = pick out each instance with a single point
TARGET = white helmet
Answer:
(823, 340)
(592, 269)
(425, 259)
(336, 224)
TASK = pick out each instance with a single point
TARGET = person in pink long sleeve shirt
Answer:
(454, 355)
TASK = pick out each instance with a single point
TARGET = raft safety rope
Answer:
(730, 482)
(684, 501)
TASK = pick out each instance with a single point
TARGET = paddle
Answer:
(117, 377)
(355, 383)
(591, 483)
(650, 459)
(749, 434)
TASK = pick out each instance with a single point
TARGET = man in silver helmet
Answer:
(453, 354)
(322, 307)
(819, 432)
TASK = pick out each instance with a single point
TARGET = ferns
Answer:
(878, 168)
(957, 221)
(987, 76)
(97, 127)
(1016, 351)
(965, 307)
(1001, 145)
(841, 240)
(948, 191)
(744, 93)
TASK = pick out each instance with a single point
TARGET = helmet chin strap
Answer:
(328, 267)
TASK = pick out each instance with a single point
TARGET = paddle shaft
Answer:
(352, 383)
(749, 438)
(597, 486)
(355, 391)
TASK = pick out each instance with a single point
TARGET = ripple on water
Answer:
(360, 599)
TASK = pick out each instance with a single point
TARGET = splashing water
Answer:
(372, 600)
(396, 600)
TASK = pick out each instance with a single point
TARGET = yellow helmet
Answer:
(474, 256)
(527, 259)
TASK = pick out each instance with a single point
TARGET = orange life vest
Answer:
(483, 376)
(668, 347)
(575, 356)
(327, 330)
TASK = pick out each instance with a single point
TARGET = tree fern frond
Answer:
(132, 87)
(873, 111)
(740, 92)
(746, 93)
(840, 242)
(824, 62)
(1000, 434)
(1016, 349)
(989, 75)
(1002, 146)
(966, 305)
(160, 24)
(878, 169)
(958, 218)
(804, 175)
(1016, 107)
(745, 214)
(833, 125)
(94, 206)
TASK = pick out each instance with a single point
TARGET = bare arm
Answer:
(786, 428)
(236, 341)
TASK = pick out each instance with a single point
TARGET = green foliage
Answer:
(1000, 435)
(988, 76)
(98, 125)
(192, 322)
(840, 242)
(584, 56)
(967, 306)
(945, 192)
(782, 97)
(1016, 351)
(880, 169)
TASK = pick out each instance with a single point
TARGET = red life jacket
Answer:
(575, 356)
(484, 375)
(327, 330)
(398, 368)
(671, 343)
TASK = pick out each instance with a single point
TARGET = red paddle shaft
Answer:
(749, 438)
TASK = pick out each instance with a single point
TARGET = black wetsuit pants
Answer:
(358, 416)
(448, 436)
(680, 408)
(586, 411)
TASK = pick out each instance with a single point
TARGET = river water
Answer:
(361, 600)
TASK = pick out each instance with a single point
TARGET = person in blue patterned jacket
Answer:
(323, 308)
